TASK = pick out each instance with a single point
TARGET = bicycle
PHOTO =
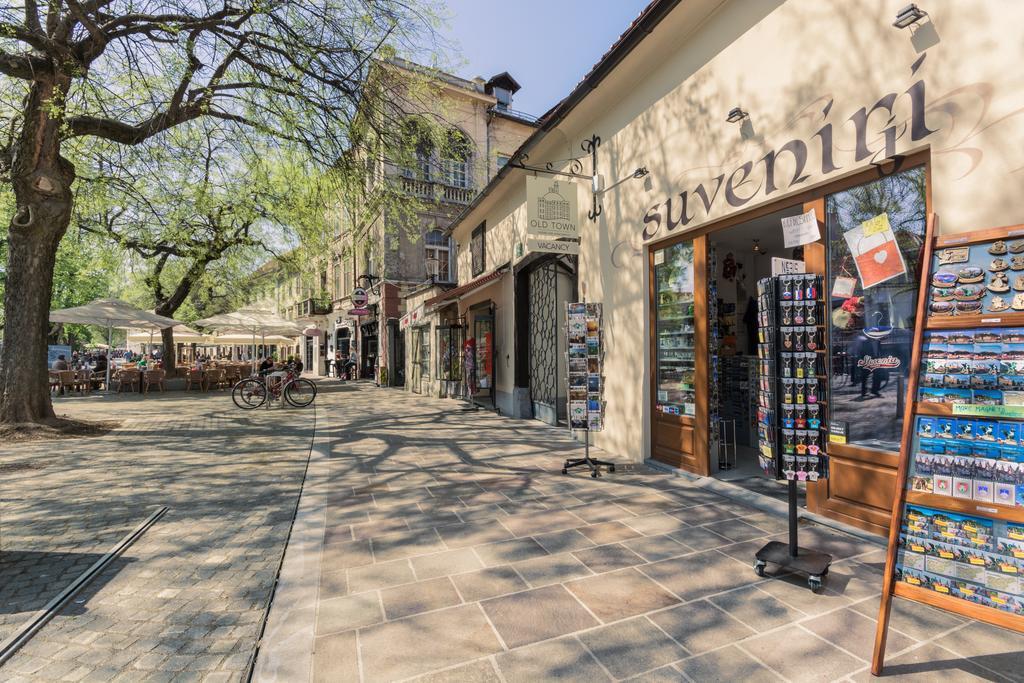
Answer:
(252, 392)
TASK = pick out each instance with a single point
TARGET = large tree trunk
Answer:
(42, 188)
(170, 352)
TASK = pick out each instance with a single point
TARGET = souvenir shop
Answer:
(857, 347)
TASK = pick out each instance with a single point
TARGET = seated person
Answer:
(60, 364)
(266, 366)
(99, 372)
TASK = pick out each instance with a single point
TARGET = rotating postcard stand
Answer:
(789, 414)
(586, 385)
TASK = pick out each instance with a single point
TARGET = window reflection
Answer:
(876, 236)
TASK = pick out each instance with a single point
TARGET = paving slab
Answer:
(535, 615)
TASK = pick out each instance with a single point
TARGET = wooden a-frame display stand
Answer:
(913, 408)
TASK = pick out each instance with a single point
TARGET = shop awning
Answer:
(465, 289)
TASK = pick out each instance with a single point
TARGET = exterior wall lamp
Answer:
(736, 115)
(908, 16)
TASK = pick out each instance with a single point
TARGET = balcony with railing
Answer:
(310, 307)
(436, 192)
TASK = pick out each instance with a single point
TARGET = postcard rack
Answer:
(956, 540)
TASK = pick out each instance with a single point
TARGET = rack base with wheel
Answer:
(811, 562)
(790, 556)
(594, 465)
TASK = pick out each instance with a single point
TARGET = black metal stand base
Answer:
(790, 556)
(811, 562)
(594, 465)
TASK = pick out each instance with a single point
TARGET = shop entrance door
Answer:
(483, 361)
(549, 286)
(738, 257)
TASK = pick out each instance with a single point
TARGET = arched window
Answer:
(457, 154)
(438, 249)
(421, 149)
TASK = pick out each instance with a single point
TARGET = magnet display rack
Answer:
(791, 427)
(956, 537)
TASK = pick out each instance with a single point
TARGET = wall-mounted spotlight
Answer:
(908, 16)
(736, 115)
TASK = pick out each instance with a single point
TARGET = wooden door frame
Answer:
(816, 255)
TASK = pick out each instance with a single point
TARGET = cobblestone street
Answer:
(430, 542)
(187, 600)
(447, 544)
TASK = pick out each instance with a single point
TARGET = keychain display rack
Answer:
(790, 413)
(956, 540)
(586, 382)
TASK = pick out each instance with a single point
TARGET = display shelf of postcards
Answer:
(961, 537)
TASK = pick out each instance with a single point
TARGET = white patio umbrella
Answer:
(247, 339)
(112, 313)
(253, 321)
(182, 333)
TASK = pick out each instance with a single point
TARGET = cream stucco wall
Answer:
(797, 67)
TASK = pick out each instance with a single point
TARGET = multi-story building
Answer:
(396, 252)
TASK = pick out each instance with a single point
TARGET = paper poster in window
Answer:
(875, 253)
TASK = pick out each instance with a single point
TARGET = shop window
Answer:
(676, 362)
(449, 353)
(478, 249)
(438, 248)
(876, 237)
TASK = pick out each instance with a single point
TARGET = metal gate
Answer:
(543, 321)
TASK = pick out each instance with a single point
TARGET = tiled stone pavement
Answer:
(456, 551)
(186, 601)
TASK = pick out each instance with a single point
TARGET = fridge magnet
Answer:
(954, 255)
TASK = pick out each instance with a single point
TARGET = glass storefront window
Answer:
(875, 237)
(675, 362)
(449, 353)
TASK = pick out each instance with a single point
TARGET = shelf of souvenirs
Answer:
(989, 615)
(946, 410)
(952, 322)
(965, 506)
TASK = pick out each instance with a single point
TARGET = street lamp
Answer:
(433, 268)
(909, 16)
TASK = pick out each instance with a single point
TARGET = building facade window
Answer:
(478, 249)
(456, 160)
(438, 248)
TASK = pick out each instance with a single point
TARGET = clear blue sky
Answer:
(547, 45)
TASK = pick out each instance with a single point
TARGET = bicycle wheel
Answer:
(300, 392)
(249, 393)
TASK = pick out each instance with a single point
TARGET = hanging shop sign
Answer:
(359, 311)
(552, 207)
(359, 297)
(542, 246)
(800, 230)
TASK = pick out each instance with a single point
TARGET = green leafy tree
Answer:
(77, 72)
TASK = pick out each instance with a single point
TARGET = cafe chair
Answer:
(54, 381)
(194, 377)
(127, 378)
(85, 381)
(68, 381)
(215, 378)
(154, 378)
